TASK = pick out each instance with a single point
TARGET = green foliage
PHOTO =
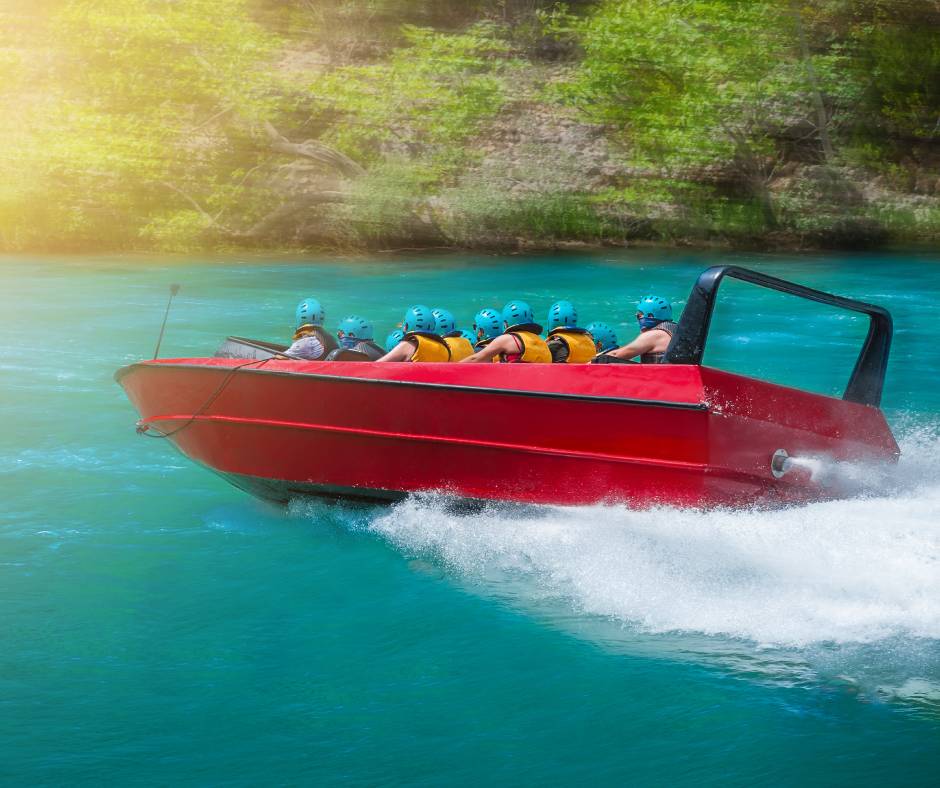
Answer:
(902, 63)
(386, 200)
(140, 123)
(425, 101)
(175, 230)
(718, 90)
(365, 30)
(687, 83)
(692, 86)
(125, 102)
(172, 55)
(676, 210)
(886, 76)
(908, 223)
(482, 215)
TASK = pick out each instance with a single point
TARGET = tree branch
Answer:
(286, 211)
(210, 220)
(314, 150)
(820, 106)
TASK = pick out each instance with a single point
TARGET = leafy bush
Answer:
(122, 105)
(388, 204)
(424, 101)
(482, 215)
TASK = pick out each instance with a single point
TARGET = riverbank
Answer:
(777, 245)
(497, 127)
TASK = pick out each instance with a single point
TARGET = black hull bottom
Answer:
(278, 491)
(282, 492)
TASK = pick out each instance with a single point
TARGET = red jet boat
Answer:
(539, 433)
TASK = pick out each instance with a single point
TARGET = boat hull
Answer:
(558, 434)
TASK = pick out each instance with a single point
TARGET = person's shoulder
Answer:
(306, 342)
(641, 338)
(659, 334)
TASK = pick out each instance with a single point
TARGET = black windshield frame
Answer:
(866, 384)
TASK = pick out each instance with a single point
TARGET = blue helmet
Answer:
(604, 336)
(353, 329)
(445, 321)
(419, 318)
(309, 313)
(490, 322)
(517, 313)
(562, 313)
(653, 307)
(392, 340)
(468, 335)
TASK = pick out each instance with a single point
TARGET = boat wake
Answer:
(847, 578)
(856, 570)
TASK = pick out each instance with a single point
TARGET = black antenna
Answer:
(174, 289)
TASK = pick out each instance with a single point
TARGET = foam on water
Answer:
(861, 570)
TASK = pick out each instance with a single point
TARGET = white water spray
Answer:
(861, 570)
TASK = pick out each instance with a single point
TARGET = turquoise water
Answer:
(160, 627)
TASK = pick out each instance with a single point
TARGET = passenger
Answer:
(311, 340)
(444, 321)
(568, 343)
(355, 333)
(605, 338)
(654, 314)
(392, 340)
(420, 342)
(520, 342)
(487, 326)
(460, 346)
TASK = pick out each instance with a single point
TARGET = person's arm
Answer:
(504, 344)
(644, 343)
(403, 351)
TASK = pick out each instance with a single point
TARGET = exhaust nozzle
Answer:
(780, 463)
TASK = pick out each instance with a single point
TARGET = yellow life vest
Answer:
(581, 347)
(460, 347)
(534, 349)
(430, 347)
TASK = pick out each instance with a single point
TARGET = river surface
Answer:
(159, 627)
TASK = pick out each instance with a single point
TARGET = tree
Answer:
(424, 100)
(131, 113)
(694, 88)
